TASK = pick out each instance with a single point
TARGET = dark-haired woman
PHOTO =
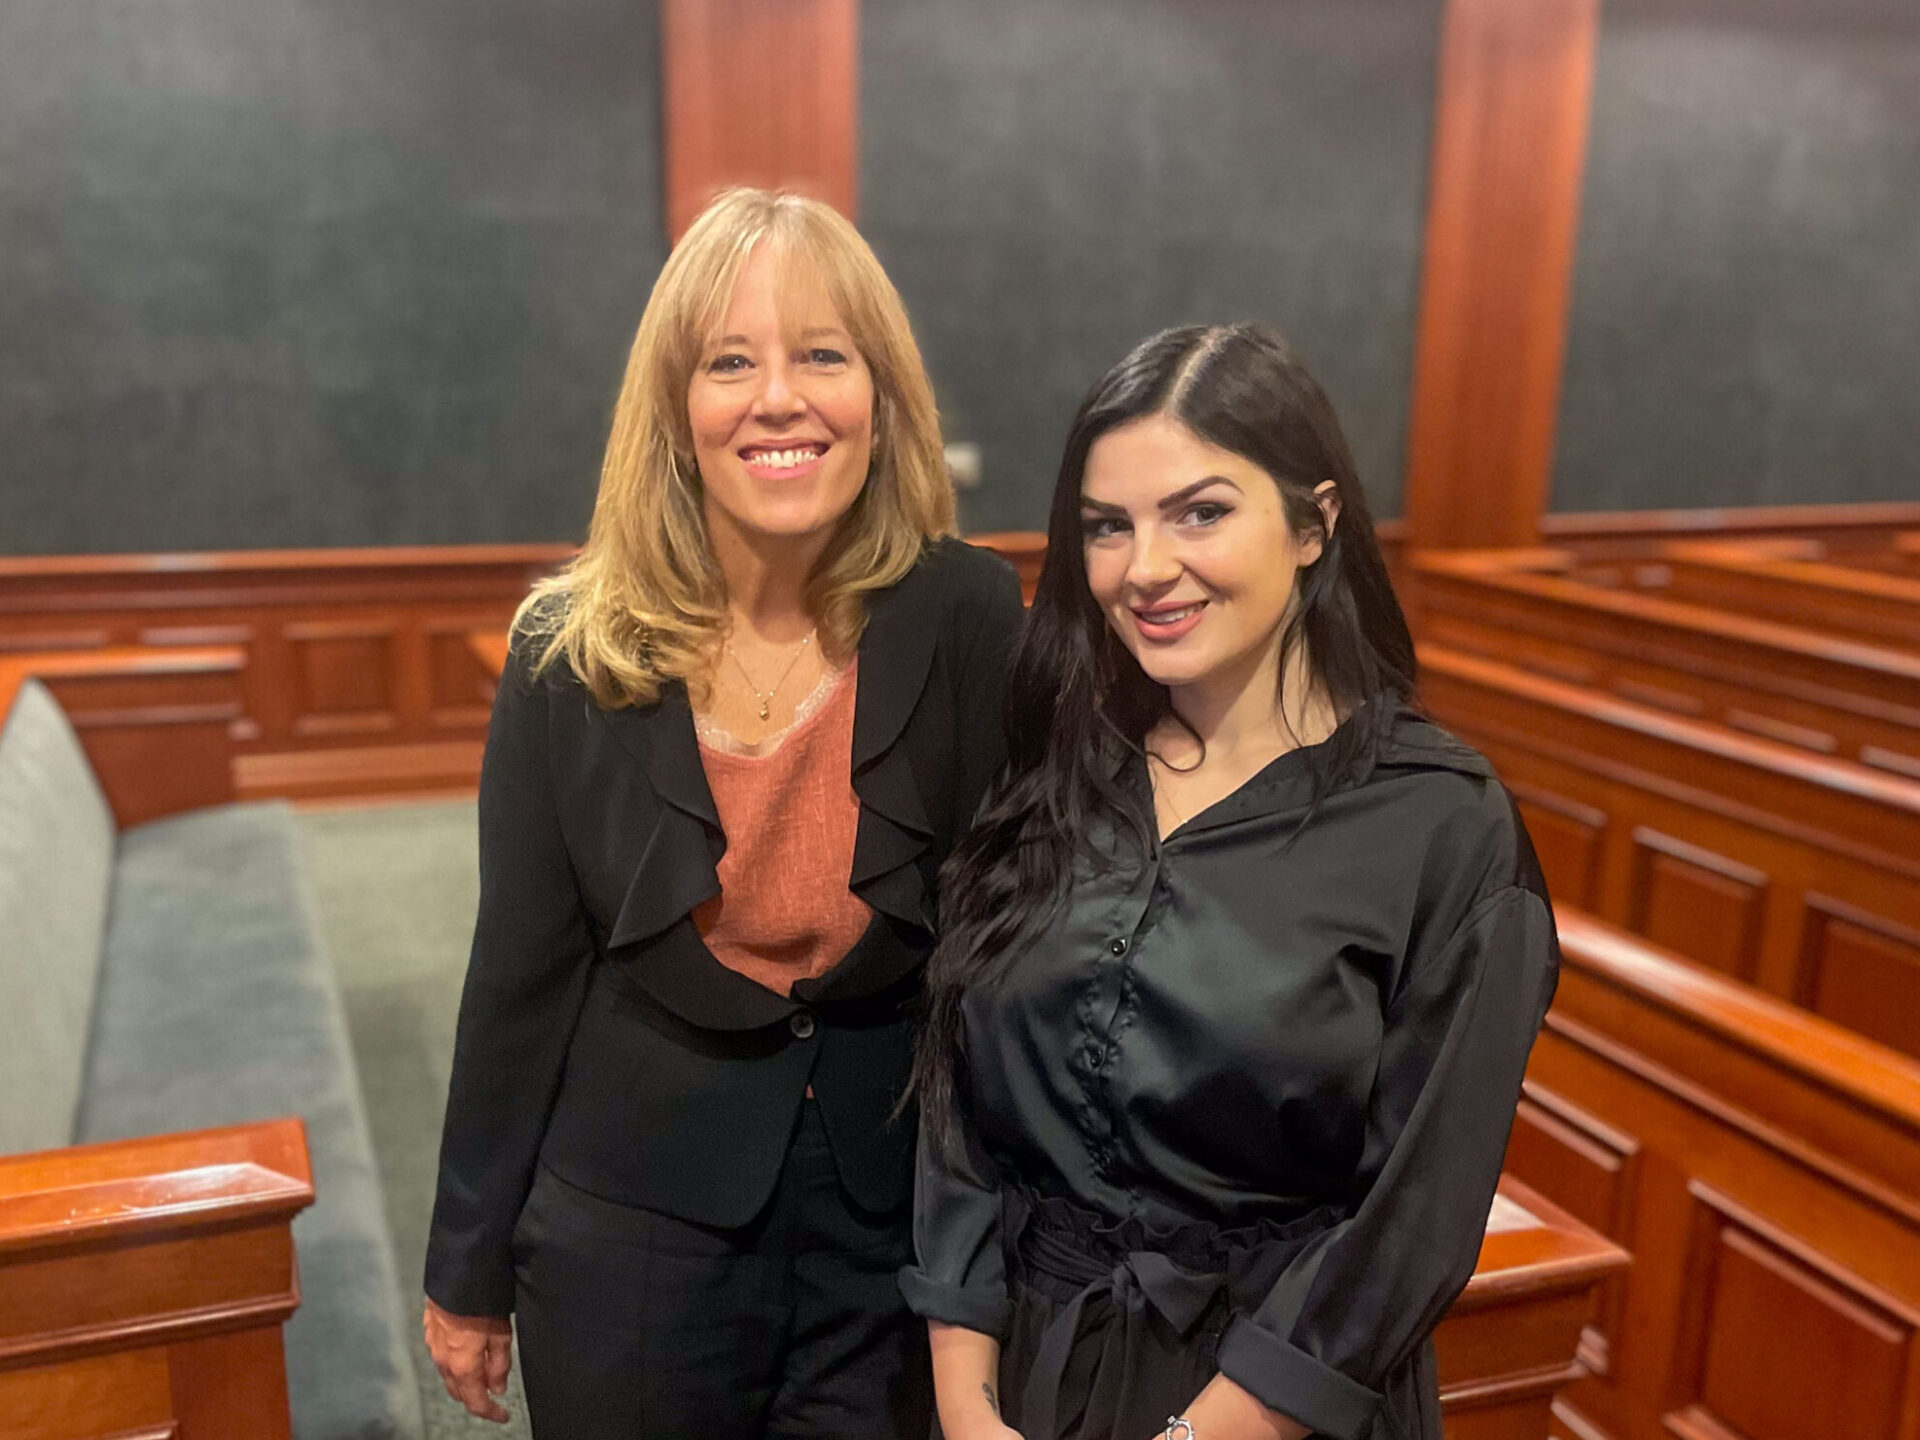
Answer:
(1241, 965)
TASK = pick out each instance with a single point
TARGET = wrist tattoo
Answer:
(993, 1400)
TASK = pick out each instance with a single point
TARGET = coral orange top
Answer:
(784, 912)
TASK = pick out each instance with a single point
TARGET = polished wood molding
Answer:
(143, 1284)
(1509, 150)
(155, 721)
(759, 92)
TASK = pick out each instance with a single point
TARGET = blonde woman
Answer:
(734, 742)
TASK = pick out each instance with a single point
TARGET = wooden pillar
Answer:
(759, 92)
(1510, 135)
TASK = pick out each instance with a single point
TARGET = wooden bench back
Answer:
(1762, 1166)
(1831, 694)
(156, 721)
(1789, 871)
(1778, 580)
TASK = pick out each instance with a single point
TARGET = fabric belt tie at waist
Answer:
(1139, 1282)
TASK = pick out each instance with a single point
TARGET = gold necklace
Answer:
(766, 697)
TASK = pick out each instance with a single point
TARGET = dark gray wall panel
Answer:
(1746, 320)
(1050, 180)
(317, 272)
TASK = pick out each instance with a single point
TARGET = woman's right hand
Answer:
(473, 1354)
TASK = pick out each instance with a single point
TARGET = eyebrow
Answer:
(815, 332)
(1171, 502)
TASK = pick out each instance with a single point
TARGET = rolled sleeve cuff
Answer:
(1284, 1377)
(987, 1311)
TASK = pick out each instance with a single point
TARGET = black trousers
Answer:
(636, 1326)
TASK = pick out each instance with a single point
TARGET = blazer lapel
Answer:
(677, 863)
(677, 867)
(896, 655)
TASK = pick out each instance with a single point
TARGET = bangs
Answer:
(810, 289)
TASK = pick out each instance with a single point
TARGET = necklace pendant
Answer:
(763, 709)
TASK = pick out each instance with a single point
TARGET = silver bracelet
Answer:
(1179, 1427)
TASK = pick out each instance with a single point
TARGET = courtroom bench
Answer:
(1794, 872)
(1763, 1168)
(1833, 694)
(168, 977)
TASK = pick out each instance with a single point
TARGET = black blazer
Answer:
(597, 1033)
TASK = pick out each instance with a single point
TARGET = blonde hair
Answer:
(644, 601)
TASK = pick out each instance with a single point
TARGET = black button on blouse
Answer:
(1255, 1021)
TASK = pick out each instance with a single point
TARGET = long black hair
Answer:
(1079, 705)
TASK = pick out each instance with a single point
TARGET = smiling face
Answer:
(1189, 554)
(780, 406)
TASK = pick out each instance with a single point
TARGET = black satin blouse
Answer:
(1258, 1021)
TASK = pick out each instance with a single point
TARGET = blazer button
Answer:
(1119, 947)
(802, 1025)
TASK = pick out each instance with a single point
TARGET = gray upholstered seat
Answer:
(217, 1005)
(181, 960)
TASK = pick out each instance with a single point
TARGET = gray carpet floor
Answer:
(397, 887)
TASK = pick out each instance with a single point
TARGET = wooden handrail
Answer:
(1800, 1044)
(1782, 519)
(119, 1189)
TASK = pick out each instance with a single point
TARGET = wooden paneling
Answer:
(1762, 1312)
(1568, 837)
(1763, 1167)
(345, 673)
(357, 676)
(1862, 971)
(759, 92)
(143, 1284)
(1702, 904)
(1772, 836)
(1590, 1168)
(1504, 189)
